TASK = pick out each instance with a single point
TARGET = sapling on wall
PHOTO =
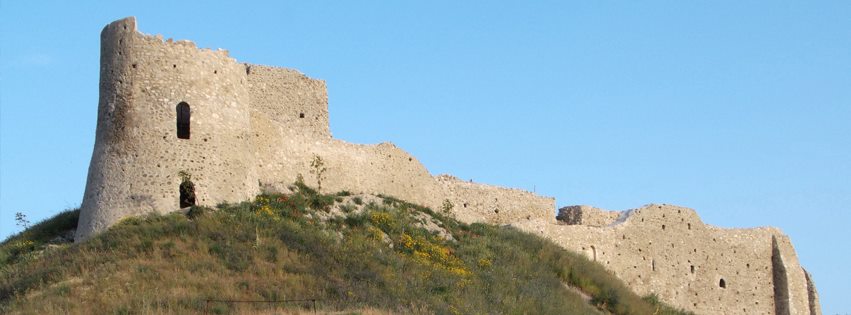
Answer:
(319, 169)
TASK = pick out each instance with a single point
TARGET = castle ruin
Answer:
(167, 107)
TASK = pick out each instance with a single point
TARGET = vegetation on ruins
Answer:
(348, 252)
(318, 168)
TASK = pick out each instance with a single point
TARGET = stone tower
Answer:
(138, 152)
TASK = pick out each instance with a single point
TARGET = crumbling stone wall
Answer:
(474, 202)
(586, 215)
(289, 98)
(667, 250)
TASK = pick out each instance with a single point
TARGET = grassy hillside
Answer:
(355, 254)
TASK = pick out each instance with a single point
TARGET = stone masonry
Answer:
(168, 107)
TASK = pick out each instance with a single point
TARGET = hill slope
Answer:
(338, 252)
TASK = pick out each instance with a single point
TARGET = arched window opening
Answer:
(183, 113)
(722, 283)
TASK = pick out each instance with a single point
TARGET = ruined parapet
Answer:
(474, 202)
(139, 149)
(586, 215)
(668, 251)
(291, 99)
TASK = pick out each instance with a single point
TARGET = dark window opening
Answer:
(187, 193)
(692, 269)
(301, 115)
(663, 226)
(722, 283)
(183, 113)
(689, 226)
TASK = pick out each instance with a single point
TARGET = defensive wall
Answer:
(669, 251)
(167, 107)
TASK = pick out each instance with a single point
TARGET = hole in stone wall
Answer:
(689, 226)
(653, 264)
(215, 71)
(183, 113)
(134, 66)
(187, 192)
(663, 226)
(496, 211)
(692, 268)
(722, 283)
(301, 115)
(247, 69)
(465, 205)
(174, 66)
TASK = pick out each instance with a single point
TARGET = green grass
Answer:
(276, 248)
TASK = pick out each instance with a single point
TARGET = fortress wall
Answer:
(586, 215)
(384, 169)
(377, 169)
(651, 258)
(137, 155)
(290, 98)
(491, 204)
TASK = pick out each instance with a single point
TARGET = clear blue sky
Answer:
(739, 109)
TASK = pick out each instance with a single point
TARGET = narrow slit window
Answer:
(183, 113)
